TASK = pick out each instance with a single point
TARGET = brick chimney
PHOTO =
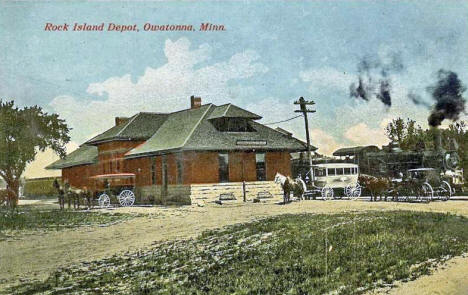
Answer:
(195, 102)
(120, 120)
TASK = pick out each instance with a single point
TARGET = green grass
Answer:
(32, 218)
(290, 254)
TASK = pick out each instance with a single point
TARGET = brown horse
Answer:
(289, 185)
(377, 186)
(79, 196)
(75, 195)
(60, 194)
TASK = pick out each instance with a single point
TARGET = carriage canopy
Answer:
(115, 180)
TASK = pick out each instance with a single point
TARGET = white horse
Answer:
(289, 185)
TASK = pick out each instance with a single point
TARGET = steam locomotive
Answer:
(392, 162)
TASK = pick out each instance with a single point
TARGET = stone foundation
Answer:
(203, 193)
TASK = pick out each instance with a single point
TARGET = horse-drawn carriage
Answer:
(119, 186)
(333, 181)
(329, 181)
(422, 184)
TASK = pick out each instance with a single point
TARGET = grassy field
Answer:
(32, 218)
(294, 254)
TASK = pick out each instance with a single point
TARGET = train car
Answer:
(392, 162)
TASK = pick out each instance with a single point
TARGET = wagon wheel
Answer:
(353, 192)
(427, 193)
(327, 193)
(104, 201)
(348, 191)
(126, 198)
(445, 191)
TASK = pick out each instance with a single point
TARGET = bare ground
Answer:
(35, 256)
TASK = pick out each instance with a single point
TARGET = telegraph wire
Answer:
(271, 123)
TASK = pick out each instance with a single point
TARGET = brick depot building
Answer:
(179, 157)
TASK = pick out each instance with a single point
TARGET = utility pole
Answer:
(304, 110)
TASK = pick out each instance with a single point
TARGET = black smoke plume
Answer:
(374, 78)
(359, 91)
(447, 93)
(384, 93)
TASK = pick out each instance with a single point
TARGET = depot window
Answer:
(260, 165)
(153, 170)
(223, 167)
(233, 125)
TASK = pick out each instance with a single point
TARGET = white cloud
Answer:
(162, 89)
(326, 143)
(361, 134)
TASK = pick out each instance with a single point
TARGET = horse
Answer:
(75, 194)
(377, 186)
(60, 193)
(289, 185)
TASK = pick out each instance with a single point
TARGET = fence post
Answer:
(243, 191)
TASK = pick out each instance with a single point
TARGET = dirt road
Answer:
(35, 256)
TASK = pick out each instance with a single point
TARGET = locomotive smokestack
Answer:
(438, 140)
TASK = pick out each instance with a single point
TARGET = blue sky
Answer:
(270, 54)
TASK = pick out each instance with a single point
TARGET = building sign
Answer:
(251, 142)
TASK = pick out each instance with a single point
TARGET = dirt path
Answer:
(450, 279)
(36, 256)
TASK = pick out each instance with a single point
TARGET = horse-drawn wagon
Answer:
(119, 186)
(333, 181)
(421, 184)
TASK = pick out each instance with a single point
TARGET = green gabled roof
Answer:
(138, 127)
(207, 137)
(174, 132)
(232, 111)
(192, 130)
(85, 154)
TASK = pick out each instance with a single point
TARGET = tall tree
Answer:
(395, 130)
(405, 133)
(23, 133)
(457, 138)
